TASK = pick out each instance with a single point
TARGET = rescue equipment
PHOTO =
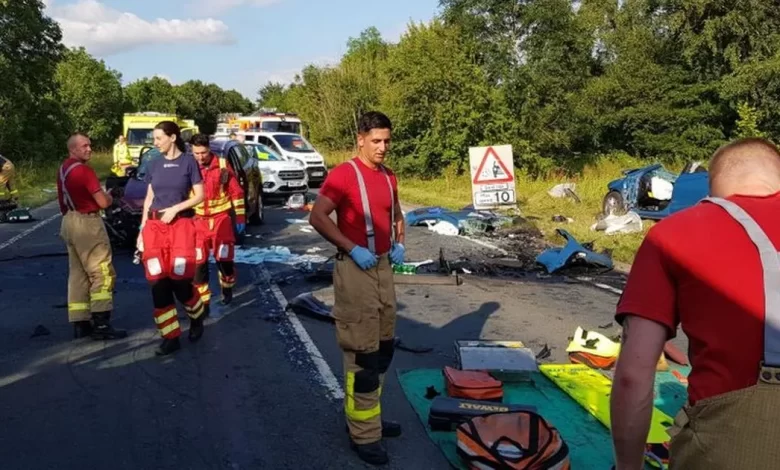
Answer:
(506, 356)
(592, 390)
(16, 215)
(448, 412)
(521, 440)
(472, 384)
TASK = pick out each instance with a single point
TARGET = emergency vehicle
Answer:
(138, 129)
(263, 120)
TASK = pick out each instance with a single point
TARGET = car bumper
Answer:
(317, 173)
(273, 187)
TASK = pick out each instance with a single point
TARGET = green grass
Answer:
(38, 181)
(454, 192)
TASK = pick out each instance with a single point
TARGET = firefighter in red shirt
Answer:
(713, 270)
(213, 224)
(91, 274)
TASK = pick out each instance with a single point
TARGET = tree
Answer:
(150, 94)
(91, 95)
(31, 120)
(274, 95)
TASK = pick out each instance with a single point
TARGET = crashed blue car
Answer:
(654, 192)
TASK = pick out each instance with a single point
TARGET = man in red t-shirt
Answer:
(712, 269)
(364, 195)
(91, 273)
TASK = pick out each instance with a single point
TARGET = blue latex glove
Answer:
(240, 228)
(397, 253)
(362, 257)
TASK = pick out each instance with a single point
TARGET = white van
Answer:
(293, 147)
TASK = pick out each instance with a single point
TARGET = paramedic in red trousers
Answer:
(713, 270)
(364, 195)
(91, 275)
(167, 238)
(222, 194)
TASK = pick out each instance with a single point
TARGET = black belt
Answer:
(157, 215)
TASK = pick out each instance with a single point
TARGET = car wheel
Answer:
(613, 204)
(258, 216)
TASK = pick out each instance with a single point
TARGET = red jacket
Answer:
(219, 197)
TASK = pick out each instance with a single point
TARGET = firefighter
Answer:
(9, 194)
(167, 238)
(122, 158)
(364, 195)
(91, 273)
(213, 224)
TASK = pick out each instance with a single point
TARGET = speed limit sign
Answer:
(492, 176)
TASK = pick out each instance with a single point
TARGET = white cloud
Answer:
(103, 30)
(212, 7)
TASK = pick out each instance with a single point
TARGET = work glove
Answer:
(362, 257)
(397, 253)
(240, 228)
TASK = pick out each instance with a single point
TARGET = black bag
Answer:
(446, 413)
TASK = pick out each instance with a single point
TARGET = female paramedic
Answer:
(167, 238)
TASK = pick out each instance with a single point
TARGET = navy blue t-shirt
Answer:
(172, 180)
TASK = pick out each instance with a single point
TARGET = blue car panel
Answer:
(689, 189)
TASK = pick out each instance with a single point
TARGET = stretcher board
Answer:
(591, 390)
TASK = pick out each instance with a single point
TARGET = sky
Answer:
(237, 44)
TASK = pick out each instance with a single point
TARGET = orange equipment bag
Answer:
(521, 440)
(472, 385)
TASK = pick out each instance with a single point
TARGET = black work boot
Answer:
(196, 328)
(82, 329)
(168, 346)
(103, 329)
(373, 453)
(389, 429)
(227, 295)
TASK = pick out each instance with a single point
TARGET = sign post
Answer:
(492, 176)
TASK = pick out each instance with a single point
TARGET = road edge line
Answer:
(326, 376)
(30, 230)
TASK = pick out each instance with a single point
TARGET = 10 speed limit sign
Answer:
(492, 176)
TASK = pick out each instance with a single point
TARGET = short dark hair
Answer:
(373, 120)
(201, 140)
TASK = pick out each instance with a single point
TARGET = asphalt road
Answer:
(262, 387)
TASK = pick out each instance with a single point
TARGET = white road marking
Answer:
(327, 378)
(28, 231)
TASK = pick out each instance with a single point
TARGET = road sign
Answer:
(492, 176)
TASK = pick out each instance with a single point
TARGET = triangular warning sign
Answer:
(492, 170)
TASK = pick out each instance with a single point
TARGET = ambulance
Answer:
(138, 128)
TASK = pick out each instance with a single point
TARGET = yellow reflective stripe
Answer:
(206, 297)
(98, 296)
(349, 403)
(78, 307)
(195, 308)
(203, 289)
(222, 163)
(220, 208)
(165, 316)
(15, 191)
(170, 328)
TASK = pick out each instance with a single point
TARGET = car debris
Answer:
(564, 190)
(613, 224)
(572, 254)
(562, 218)
(451, 223)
